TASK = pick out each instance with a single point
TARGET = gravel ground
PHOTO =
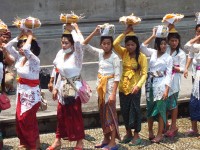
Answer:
(93, 136)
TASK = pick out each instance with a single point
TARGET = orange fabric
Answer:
(31, 83)
(101, 89)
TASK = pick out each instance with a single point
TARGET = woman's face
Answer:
(65, 43)
(130, 46)
(198, 31)
(173, 42)
(106, 45)
(20, 50)
(163, 46)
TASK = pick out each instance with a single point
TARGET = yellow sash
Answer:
(101, 89)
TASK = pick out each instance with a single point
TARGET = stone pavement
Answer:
(7, 119)
(93, 136)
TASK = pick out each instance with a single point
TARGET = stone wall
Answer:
(96, 12)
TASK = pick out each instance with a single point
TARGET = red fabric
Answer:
(27, 125)
(56, 69)
(31, 83)
(70, 121)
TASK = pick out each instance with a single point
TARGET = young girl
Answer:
(158, 83)
(107, 83)
(193, 46)
(179, 61)
(133, 77)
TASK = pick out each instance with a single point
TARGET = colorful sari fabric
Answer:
(171, 101)
(108, 117)
(130, 109)
(156, 107)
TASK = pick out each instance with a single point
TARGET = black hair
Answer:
(20, 42)
(176, 36)
(137, 50)
(106, 37)
(197, 26)
(34, 46)
(69, 37)
(158, 43)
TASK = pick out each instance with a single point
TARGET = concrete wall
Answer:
(96, 12)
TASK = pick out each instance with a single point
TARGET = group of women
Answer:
(162, 75)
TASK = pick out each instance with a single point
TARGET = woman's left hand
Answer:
(112, 98)
(135, 90)
(165, 95)
(55, 94)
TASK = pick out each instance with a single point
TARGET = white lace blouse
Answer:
(29, 96)
(162, 64)
(109, 66)
(70, 67)
(194, 50)
(178, 60)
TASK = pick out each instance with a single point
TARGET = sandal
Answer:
(110, 148)
(101, 145)
(157, 140)
(126, 140)
(171, 134)
(54, 148)
(192, 133)
(136, 142)
(78, 148)
(22, 146)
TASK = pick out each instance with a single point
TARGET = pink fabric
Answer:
(173, 70)
(27, 125)
(197, 67)
(85, 92)
(70, 121)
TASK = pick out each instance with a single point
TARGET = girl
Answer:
(179, 61)
(107, 83)
(133, 77)
(193, 46)
(158, 83)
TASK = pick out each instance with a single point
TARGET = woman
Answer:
(179, 61)
(107, 83)
(69, 64)
(193, 46)
(158, 83)
(190, 58)
(133, 77)
(5, 58)
(28, 92)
